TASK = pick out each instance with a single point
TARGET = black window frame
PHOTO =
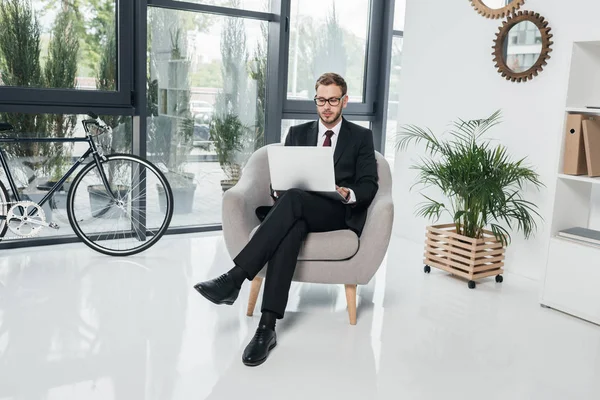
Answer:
(367, 108)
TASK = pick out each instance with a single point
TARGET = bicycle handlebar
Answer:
(95, 120)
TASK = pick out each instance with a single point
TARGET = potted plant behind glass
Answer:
(227, 134)
(484, 189)
(235, 126)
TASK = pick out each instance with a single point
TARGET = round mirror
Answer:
(522, 46)
(496, 4)
(496, 8)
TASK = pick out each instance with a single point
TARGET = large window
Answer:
(204, 69)
(327, 36)
(63, 45)
(58, 61)
(206, 103)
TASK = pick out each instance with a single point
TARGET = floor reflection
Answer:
(115, 324)
(75, 325)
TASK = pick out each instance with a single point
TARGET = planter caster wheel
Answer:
(471, 284)
(499, 278)
(427, 269)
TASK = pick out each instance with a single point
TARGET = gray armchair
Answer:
(338, 257)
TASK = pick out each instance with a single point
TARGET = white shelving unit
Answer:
(583, 110)
(580, 178)
(571, 281)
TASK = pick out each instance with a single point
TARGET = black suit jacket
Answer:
(354, 164)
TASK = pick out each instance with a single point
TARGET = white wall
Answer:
(448, 73)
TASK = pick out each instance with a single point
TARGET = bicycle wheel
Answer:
(131, 217)
(4, 207)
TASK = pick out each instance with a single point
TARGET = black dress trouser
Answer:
(279, 238)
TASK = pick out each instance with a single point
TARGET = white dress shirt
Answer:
(334, 138)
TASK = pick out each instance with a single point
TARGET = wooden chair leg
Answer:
(254, 291)
(351, 300)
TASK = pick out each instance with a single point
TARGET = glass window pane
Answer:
(51, 44)
(327, 36)
(393, 100)
(36, 167)
(399, 12)
(206, 97)
(252, 5)
(287, 123)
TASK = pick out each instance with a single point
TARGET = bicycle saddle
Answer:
(5, 127)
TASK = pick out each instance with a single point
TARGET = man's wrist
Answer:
(351, 199)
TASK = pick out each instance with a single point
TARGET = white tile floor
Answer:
(76, 325)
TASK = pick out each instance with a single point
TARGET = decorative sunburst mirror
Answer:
(522, 46)
(496, 8)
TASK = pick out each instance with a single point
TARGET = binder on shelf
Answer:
(591, 138)
(574, 159)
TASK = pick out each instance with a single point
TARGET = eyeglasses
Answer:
(334, 101)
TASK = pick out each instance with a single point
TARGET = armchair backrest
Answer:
(384, 174)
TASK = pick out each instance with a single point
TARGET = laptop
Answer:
(309, 168)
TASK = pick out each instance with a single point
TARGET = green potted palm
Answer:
(483, 191)
(227, 134)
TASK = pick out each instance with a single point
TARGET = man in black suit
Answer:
(296, 213)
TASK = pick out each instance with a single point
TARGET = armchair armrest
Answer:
(375, 237)
(240, 203)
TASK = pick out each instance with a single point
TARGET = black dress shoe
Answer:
(257, 351)
(221, 290)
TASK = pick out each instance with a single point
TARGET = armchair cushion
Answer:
(327, 246)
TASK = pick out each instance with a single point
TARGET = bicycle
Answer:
(117, 204)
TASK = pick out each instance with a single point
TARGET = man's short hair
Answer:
(331, 78)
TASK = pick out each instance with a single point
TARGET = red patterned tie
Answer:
(327, 142)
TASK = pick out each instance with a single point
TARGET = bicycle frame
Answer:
(92, 150)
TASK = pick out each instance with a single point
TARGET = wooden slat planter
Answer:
(469, 258)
